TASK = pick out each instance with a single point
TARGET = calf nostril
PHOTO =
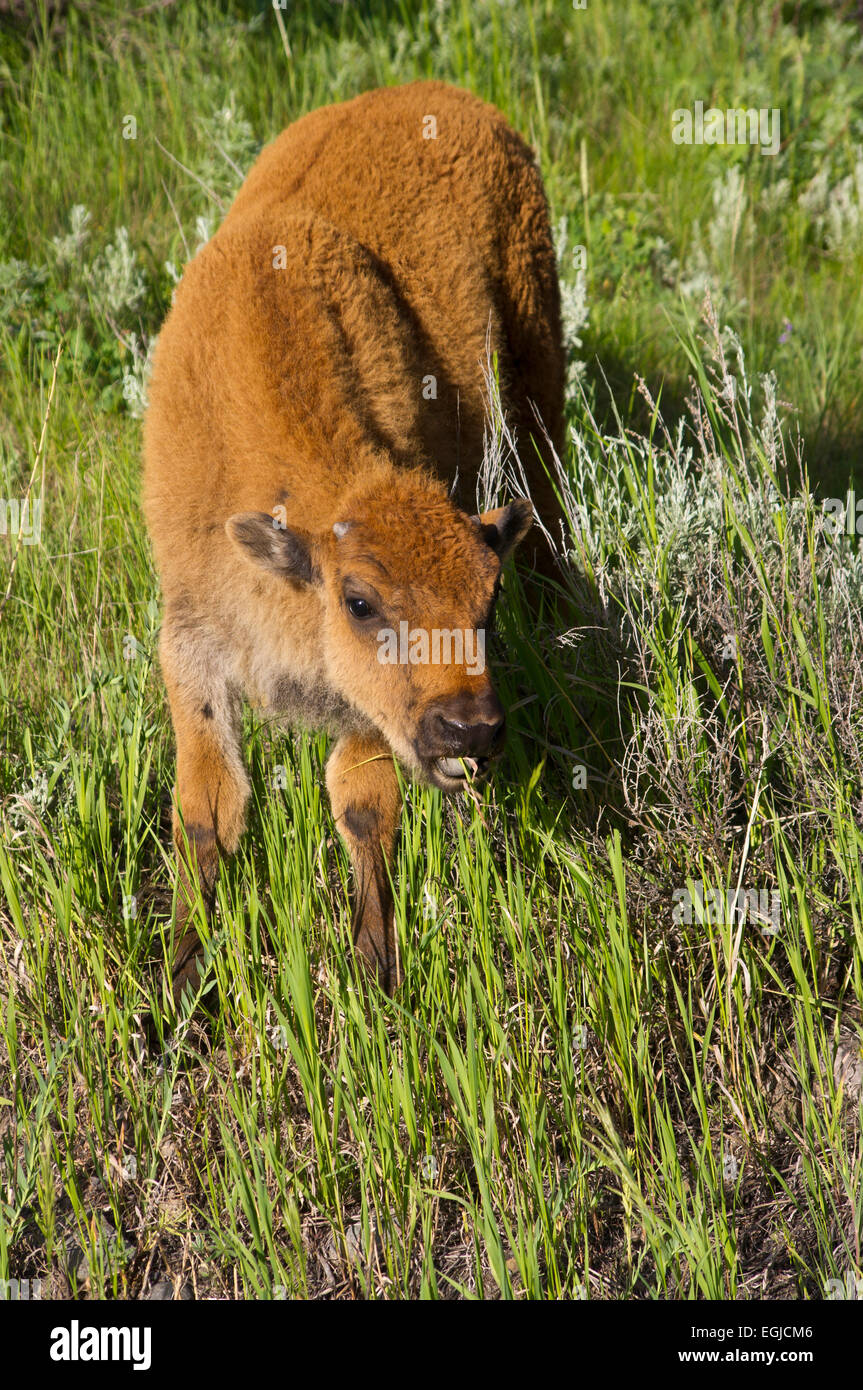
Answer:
(468, 726)
(453, 730)
(471, 740)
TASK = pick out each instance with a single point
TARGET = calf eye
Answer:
(358, 608)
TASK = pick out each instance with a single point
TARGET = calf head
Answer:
(407, 585)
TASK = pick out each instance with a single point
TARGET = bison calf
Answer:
(317, 390)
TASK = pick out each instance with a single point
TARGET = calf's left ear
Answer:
(503, 528)
(266, 543)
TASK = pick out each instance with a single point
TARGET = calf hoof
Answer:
(185, 973)
(380, 963)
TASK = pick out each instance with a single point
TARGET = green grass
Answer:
(578, 1092)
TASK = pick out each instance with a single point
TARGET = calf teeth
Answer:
(450, 767)
(455, 767)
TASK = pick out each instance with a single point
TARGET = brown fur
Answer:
(285, 401)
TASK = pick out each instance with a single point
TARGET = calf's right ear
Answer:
(503, 528)
(265, 542)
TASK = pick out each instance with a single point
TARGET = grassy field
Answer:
(626, 1059)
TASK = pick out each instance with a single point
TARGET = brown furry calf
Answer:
(317, 388)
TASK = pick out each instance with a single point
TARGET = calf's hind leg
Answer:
(365, 799)
(211, 790)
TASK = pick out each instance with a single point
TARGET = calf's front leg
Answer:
(211, 790)
(366, 803)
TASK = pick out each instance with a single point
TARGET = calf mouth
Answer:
(452, 774)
